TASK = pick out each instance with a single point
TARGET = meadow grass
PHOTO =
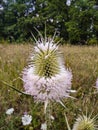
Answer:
(82, 60)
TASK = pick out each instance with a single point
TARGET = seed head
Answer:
(46, 61)
(85, 123)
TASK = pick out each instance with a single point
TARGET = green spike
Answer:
(46, 67)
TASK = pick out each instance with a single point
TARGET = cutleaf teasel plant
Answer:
(46, 78)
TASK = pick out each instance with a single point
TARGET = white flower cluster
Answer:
(10, 111)
(26, 119)
(44, 126)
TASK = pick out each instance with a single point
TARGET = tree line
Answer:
(75, 21)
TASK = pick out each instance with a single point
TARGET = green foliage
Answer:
(83, 62)
(77, 22)
(92, 41)
(80, 26)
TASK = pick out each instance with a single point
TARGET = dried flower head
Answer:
(85, 123)
(26, 119)
(46, 77)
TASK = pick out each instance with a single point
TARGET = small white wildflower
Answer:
(26, 119)
(44, 126)
(1, 8)
(57, 21)
(68, 2)
(51, 20)
(10, 111)
(37, 15)
(52, 117)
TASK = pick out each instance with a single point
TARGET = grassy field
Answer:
(82, 60)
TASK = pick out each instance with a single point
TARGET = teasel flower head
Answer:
(46, 76)
(85, 123)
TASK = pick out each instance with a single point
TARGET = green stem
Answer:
(68, 127)
(48, 112)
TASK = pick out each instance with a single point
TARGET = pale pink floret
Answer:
(97, 84)
(45, 46)
(53, 88)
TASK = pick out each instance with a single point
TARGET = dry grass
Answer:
(83, 61)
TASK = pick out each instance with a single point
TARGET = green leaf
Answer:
(5, 83)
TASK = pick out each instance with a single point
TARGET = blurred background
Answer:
(76, 21)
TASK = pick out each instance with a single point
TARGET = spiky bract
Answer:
(85, 123)
(46, 60)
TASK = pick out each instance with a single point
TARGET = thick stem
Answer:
(48, 111)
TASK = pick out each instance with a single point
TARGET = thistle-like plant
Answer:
(85, 122)
(46, 78)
